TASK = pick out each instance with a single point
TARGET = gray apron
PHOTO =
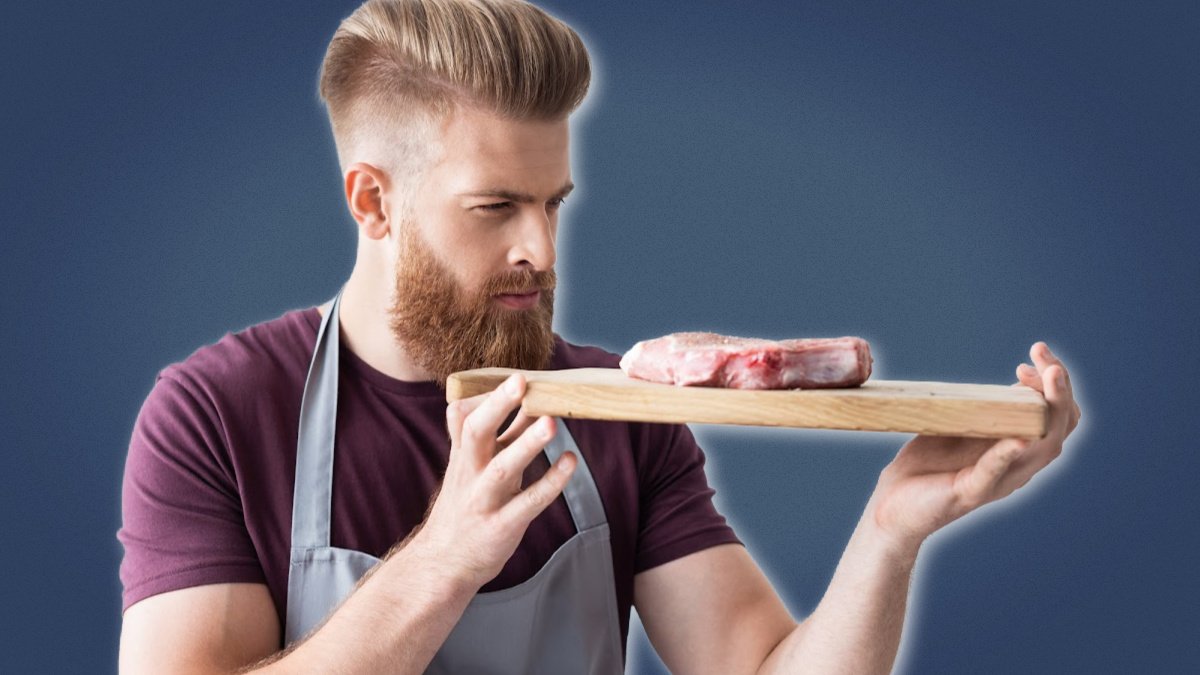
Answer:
(563, 619)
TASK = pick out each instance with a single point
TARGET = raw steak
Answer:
(711, 360)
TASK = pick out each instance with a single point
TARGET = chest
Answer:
(390, 454)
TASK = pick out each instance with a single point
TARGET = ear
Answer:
(365, 187)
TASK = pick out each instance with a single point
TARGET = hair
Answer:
(395, 68)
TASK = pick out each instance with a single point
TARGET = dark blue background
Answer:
(952, 182)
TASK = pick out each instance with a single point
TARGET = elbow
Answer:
(776, 656)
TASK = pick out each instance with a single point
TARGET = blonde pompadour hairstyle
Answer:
(396, 67)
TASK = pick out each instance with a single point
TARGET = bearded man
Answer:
(300, 497)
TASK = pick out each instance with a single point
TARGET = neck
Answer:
(363, 322)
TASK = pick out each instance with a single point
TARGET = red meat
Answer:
(712, 360)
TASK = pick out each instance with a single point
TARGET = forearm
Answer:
(856, 627)
(394, 622)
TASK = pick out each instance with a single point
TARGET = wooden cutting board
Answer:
(937, 408)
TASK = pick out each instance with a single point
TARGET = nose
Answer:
(535, 241)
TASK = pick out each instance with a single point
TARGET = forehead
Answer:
(481, 149)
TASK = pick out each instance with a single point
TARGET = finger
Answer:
(508, 466)
(1028, 376)
(1058, 396)
(976, 484)
(525, 506)
(480, 428)
(1068, 404)
(1044, 358)
(457, 411)
(1049, 359)
(516, 427)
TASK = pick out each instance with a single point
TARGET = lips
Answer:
(519, 300)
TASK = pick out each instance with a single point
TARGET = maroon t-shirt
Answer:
(207, 495)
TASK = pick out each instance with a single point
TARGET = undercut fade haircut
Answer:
(396, 68)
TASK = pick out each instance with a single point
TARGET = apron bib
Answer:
(563, 619)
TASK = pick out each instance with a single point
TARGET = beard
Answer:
(445, 328)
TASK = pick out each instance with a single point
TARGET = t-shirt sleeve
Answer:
(677, 513)
(181, 514)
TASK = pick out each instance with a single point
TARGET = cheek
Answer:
(474, 260)
(463, 262)
(470, 248)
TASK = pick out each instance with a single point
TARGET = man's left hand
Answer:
(935, 480)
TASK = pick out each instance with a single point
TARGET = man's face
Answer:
(481, 232)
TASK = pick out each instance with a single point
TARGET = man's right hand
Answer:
(476, 521)
(481, 513)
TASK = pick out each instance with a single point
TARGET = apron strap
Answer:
(314, 446)
(581, 493)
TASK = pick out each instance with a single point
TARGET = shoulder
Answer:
(257, 360)
(205, 456)
(206, 414)
(571, 355)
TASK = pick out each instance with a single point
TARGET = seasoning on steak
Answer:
(712, 360)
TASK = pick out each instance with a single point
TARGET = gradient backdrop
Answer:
(953, 182)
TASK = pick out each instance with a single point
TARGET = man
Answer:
(299, 497)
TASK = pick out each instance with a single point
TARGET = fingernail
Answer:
(543, 430)
(562, 463)
(510, 387)
(1060, 380)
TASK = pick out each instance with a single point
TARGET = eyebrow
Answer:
(519, 197)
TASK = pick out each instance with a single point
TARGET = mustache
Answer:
(520, 281)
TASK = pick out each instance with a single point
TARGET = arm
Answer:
(856, 627)
(395, 621)
(714, 612)
(176, 631)
(401, 613)
(738, 624)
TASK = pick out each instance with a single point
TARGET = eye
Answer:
(556, 202)
(498, 206)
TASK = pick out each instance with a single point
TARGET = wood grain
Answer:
(909, 406)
